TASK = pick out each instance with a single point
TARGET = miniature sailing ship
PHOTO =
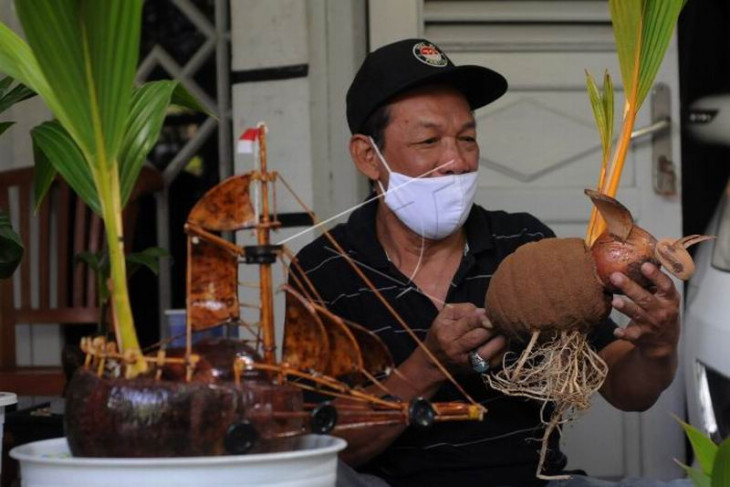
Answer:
(234, 396)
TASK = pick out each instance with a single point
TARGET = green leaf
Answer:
(4, 85)
(112, 30)
(54, 33)
(4, 126)
(721, 468)
(643, 29)
(698, 477)
(19, 62)
(92, 259)
(660, 18)
(66, 157)
(626, 18)
(98, 262)
(87, 51)
(181, 97)
(608, 105)
(146, 117)
(149, 258)
(19, 93)
(43, 174)
(599, 109)
(11, 247)
(704, 448)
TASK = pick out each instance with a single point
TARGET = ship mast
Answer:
(262, 231)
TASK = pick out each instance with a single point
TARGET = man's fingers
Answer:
(632, 310)
(474, 319)
(456, 311)
(633, 332)
(631, 289)
(665, 286)
(474, 338)
(493, 350)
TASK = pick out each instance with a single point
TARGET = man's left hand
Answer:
(654, 326)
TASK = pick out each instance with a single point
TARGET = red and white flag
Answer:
(246, 141)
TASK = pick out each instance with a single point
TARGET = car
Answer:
(706, 341)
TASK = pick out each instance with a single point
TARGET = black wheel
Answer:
(421, 413)
(324, 418)
(240, 438)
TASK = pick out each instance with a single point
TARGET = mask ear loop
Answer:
(382, 189)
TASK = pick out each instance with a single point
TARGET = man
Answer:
(431, 252)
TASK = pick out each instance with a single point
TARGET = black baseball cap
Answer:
(398, 67)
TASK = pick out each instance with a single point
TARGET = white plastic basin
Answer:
(312, 464)
(6, 399)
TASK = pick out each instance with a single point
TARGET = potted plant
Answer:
(80, 58)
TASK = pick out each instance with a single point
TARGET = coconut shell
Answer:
(547, 285)
(612, 254)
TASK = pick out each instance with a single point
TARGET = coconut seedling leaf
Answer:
(56, 151)
(626, 16)
(111, 63)
(54, 34)
(642, 30)
(19, 62)
(602, 103)
(9, 97)
(599, 111)
(660, 19)
(147, 112)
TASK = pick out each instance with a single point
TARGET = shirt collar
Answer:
(363, 238)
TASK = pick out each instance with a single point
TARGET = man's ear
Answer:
(364, 156)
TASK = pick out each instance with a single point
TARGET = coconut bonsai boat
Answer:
(233, 396)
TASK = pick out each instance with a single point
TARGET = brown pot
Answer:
(144, 417)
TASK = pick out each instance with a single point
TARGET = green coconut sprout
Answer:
(80, 58)
(643, 30)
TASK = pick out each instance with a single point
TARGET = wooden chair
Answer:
(48, 287)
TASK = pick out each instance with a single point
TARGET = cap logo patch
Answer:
(429, 54)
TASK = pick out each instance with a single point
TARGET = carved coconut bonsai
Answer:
(551, 293)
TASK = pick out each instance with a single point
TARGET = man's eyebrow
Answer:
(428, 124)
(472, 124)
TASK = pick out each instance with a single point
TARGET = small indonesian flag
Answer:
(246, 141)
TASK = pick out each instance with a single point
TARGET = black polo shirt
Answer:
(503, 449)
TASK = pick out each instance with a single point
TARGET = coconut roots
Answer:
(564, 371)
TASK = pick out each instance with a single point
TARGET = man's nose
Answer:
(453, 161)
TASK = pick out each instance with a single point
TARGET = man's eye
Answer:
(468, 138)
(429, 141)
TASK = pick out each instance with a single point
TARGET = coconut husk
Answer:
(549, 285)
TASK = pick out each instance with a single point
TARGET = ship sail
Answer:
(213, 284)
(344, 349)
(306, 344)
(226, 207)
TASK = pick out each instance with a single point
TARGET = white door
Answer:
(540, 149)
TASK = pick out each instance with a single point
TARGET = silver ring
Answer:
(479, 365)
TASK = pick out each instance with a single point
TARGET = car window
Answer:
(721, 252)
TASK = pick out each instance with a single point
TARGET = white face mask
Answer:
(433, 207)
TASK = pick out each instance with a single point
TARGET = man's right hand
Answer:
(460, 328)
